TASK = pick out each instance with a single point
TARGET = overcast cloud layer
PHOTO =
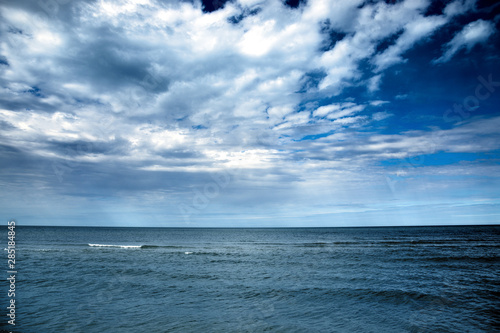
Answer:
(249, 113)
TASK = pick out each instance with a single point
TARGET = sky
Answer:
(249, 113)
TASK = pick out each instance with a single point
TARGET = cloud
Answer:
(378, 102)
(476, 32)
(459, 7)
(143, 102)
(414, 31)
(339, 110)
(374, 83)
(381, 115)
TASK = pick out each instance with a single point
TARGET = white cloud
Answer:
(346, 111)
(459, 7)
(381, 115)
(473, 33)
(349, 120)
(374, 83)
(378, 102)
(414, 31)
(338, 110)
(372, 25)
(324, 110)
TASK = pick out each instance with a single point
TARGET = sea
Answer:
(380, 279)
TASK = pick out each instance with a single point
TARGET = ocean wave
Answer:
(119, 246)
(161, 247)
(146, 246)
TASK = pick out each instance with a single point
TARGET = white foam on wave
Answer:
(188, 252)
(120, 246)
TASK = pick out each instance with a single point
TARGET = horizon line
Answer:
(316, 227)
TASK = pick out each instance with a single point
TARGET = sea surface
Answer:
(387, 279)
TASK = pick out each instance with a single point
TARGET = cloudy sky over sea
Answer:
(250, 112)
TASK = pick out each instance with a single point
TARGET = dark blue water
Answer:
(404, 279)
